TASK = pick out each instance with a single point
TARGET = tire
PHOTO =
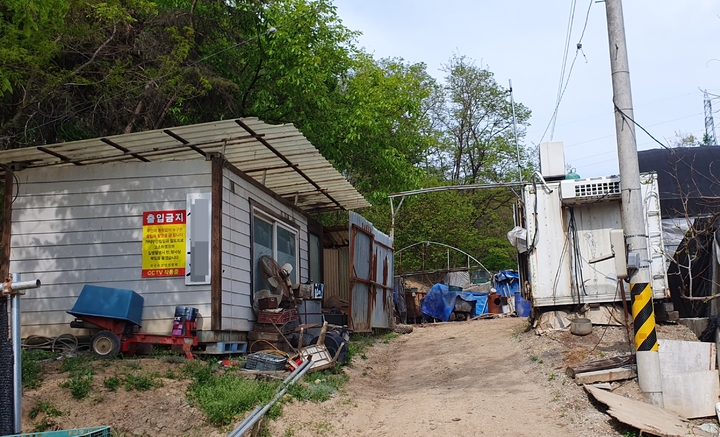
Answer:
(105, 344)
(332, 343)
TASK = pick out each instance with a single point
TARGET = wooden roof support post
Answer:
(6, 224)
(216, 244)
(6, 356)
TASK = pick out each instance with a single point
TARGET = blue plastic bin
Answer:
(523, 307)
(114, 303)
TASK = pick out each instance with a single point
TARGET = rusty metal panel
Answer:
(371, 261)
(330, 273)
(383, 286)
(343, 268)
(336, 264)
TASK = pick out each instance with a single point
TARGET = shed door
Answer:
(371, 274)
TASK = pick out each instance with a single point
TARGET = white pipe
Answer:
(21, 285)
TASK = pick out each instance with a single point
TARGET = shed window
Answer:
(277, 240)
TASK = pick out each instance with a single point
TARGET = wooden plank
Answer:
(115, 197)
(39, 227)
(606, 375)
(123, 212)
(90, 186)
(6, 234)
(677, 356)
(216, 244)
(40, 303)
(115, 171)
(607, 363)
(51, 266)
(691, 394)
(646, 417)
(77, 251)
(79, 237)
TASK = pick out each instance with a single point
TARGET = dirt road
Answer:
(475, 378)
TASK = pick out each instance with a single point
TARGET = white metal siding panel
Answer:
(594, 222)
(83, 225)
(549, 263)
(238, 314)
(654, 227)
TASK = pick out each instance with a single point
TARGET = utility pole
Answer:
(646, 344)
(517, 145)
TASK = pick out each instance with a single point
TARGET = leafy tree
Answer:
(376, 129)
(107, 67)
(476, 120)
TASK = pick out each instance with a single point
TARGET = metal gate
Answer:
(371, 276)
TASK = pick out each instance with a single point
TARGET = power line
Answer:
(563, 84)
(530, 132)
(566, 50)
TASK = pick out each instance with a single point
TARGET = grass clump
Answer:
(222, 397)
(142, 382)
(31, 376)
(112, 383)
(319, 389)
(79, 385)
(390, 336)
(198, 370)
(78, 364)
(359, 344)
(45, 407)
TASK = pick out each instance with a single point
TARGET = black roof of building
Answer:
(688, 179)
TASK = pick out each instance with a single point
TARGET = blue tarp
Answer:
(506, 282)
(440, 301)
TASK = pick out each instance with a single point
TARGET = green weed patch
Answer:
(225, 396)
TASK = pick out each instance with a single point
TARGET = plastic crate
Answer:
(264, 361)
(95, 431)
(279, 318)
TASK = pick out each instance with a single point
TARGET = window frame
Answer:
(275, 222)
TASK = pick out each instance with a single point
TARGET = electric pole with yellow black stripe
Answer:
(643, 317)
(646, 345)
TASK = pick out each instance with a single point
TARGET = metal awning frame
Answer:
(277, 156)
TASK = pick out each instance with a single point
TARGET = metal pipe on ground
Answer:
(256, 415)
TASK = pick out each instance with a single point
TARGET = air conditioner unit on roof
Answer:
(590, 189)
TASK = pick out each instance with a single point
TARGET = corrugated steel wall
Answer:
(330, 273)
(336, 264)
(372, 276)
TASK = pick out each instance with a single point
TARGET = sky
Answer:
(673, 51)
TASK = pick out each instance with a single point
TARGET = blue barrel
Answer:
(522, 305)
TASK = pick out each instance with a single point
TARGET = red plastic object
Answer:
(128, 343)
(277, 318)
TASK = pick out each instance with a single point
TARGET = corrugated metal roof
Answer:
(277, 156)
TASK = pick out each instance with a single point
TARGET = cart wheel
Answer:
(105, 344)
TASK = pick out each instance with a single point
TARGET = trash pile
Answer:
(459, 298)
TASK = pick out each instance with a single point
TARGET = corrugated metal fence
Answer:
(371, 276)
